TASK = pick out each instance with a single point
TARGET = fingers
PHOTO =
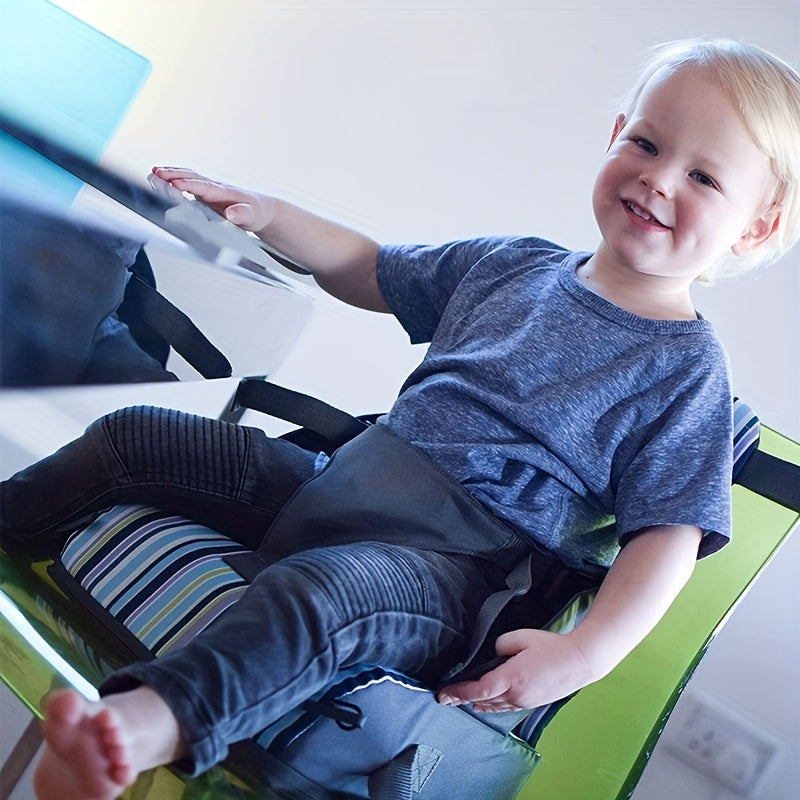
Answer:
(188, 180)
(495, 706)
(491, 688)
(180, 175)
(244, 215)
(170, 173)
(242, 208)
(511, 643)
(459, 694)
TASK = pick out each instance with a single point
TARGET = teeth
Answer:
(641, 212)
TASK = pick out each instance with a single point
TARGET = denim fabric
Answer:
(229, 477)
(117, 357)
(60, 284)
(305, 617)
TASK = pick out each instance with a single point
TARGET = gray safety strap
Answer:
(518, 582)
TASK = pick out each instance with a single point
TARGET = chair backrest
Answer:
(598, 744)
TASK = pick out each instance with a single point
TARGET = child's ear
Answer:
(758, 232)
(619, 124)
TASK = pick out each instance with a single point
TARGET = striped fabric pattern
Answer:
(163, 577)
(746, 433)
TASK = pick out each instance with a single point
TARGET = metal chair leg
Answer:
(19, 759)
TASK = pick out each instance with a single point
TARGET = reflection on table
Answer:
(83, 302)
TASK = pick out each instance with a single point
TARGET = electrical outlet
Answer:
(721, 742)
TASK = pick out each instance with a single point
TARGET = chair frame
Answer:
(642, 691)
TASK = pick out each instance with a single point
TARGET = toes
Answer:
(106, 725)
(86, 755)
(65, 706)
(114, 746)
(63, 712)
(121, 774)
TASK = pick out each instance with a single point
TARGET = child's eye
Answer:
(703, 179)
(646, 145)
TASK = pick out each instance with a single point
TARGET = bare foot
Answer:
(82, 757)
(94, 750)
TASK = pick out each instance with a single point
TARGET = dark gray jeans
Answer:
(339, 601)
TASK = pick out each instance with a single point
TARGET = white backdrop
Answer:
(432, 120)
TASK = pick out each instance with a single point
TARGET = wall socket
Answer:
(719, 741)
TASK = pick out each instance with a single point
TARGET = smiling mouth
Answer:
(642, 214)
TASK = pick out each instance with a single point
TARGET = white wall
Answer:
(425, 121)
(433, 120)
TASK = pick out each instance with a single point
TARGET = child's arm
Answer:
(342, 260)
(543, 667)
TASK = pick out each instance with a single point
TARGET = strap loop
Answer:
(772, 477)
(405, 775)
(331, 423)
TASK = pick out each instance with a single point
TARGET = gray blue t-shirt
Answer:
(575, 421)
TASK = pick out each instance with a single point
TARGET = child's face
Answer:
(682, 183)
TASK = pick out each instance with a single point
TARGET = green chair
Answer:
(598, 745)
(594, 748)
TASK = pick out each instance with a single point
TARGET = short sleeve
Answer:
(681, 472)
(417, 281)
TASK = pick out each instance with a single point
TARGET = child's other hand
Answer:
(248, 210)
(542, 667)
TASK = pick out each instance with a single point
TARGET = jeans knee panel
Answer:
(362, 579)
(202, 454)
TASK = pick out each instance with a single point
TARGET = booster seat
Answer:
(151, 580)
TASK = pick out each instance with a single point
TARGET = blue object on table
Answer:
(66, 81)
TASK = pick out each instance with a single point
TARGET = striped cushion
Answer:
(746, 433)
(162, 577)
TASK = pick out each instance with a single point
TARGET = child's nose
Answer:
(659, 179)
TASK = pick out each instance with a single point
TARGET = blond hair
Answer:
(766, 92)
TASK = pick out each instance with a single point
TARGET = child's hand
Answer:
(248, 210)
(542, 667)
